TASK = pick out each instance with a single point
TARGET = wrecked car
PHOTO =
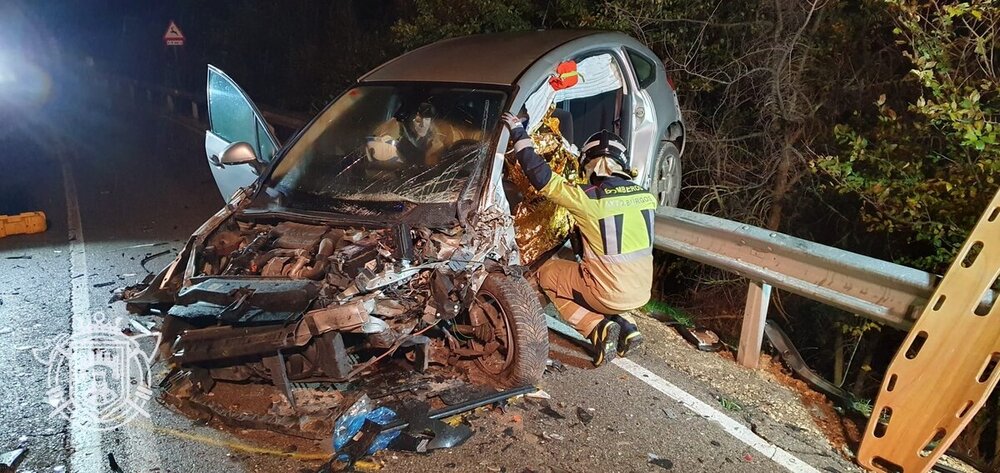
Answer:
(347, 247)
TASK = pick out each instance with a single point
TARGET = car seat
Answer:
(565, 123)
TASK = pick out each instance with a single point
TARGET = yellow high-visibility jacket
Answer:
(615, 218)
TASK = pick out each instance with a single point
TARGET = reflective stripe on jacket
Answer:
(615, 218)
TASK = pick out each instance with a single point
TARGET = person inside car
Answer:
(615, 218)
(416, 136)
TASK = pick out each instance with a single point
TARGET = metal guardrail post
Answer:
(194, 110)
(754, 318)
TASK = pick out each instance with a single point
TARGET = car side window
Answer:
(266, 146)
(645, 70)
(233, 118)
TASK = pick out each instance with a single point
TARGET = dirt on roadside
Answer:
(769, 394)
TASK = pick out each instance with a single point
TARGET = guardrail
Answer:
(885, 292)
(186, 105)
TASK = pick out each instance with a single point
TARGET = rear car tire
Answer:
(666, 185)
(518, 320)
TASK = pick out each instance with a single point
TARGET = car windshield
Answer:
(399, 143)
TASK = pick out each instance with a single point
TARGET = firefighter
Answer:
(615, 218)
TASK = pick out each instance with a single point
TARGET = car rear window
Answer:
(645, 70)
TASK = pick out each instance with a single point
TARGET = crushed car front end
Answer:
(334, 265)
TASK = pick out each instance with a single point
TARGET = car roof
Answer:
(496, 58)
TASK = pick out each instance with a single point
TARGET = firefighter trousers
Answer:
(576, 296)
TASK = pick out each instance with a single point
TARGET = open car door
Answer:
(238, 144)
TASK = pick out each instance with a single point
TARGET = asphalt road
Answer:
(142, 186)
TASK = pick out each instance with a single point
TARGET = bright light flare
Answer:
(22, 83)
(6, 72)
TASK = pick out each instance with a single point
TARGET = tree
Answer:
(749, 79)
(927, 167)
(431, 20)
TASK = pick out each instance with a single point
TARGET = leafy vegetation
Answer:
(730, 404)
(429, 20)
(927, 167)
(863, 407)
(661, 310)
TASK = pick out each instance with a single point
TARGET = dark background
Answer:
(288, 55)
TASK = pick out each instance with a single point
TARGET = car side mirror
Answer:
(239, 153)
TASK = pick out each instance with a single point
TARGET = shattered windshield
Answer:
(399, 143)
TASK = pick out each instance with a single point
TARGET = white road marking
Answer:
(85, 444)
(732, 427)
(87, 452)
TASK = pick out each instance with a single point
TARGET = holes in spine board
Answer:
(995, 214)
(918, 342)
(972, 254)
(989, 367)
(886, 465)
(965, 409)
(940, 302)
(933, 443)
(891, 384)
(884, 416)
(984, 309)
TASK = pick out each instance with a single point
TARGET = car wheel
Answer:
(666, 184)
(513, 332)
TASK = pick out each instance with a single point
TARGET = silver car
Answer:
(393, 225)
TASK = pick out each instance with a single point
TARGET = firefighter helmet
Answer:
(605, 144)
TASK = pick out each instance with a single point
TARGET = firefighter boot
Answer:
(605, 341)
(630, 336)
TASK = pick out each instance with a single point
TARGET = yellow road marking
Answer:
(238, 446)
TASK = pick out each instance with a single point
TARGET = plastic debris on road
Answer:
(654, 459)
(27, 222)
(351, 423)
(549, 411)
(539, 395)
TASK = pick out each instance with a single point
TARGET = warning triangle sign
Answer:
(173, 36)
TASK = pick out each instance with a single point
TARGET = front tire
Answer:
(510, 306)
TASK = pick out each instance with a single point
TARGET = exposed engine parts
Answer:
(288, 249)
(294, 302)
